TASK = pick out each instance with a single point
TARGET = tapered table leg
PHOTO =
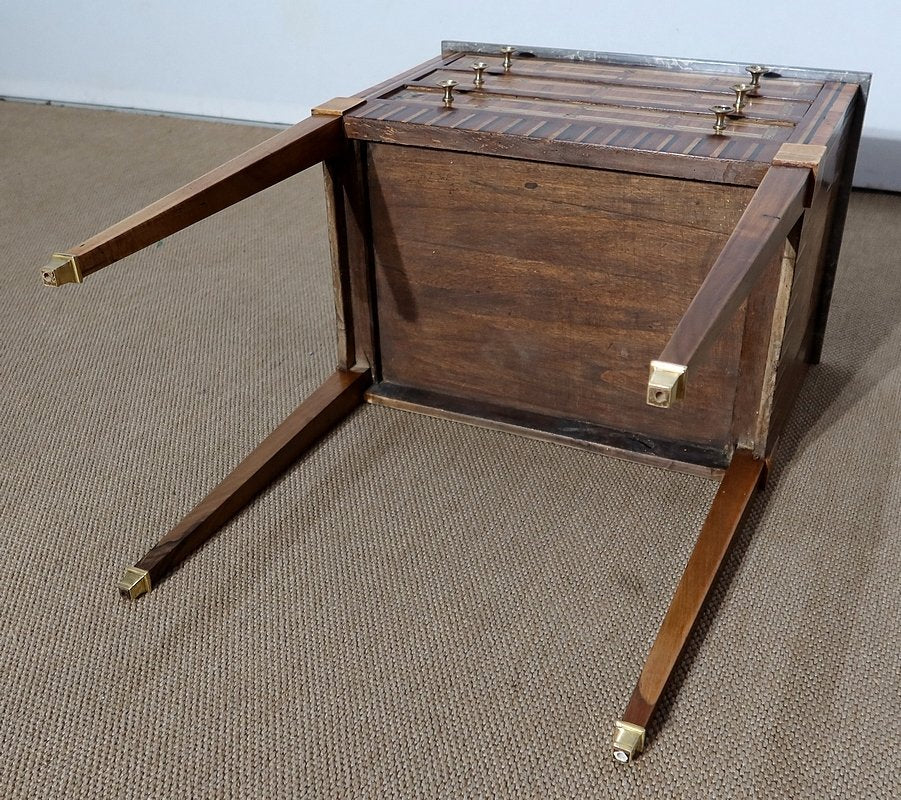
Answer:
(729, 508)
(313, 419)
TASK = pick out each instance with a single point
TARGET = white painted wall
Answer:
(271, 60)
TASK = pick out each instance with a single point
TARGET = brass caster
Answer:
(628, 741)
(134, 582)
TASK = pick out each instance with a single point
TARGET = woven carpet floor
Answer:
(420, 609)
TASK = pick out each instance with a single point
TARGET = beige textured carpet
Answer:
(420, 609)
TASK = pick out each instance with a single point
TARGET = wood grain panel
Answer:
(761, 345)
(699, 123)
(699, 157)
(515, 85)
(846, 161)
(546, 288)
(351, 251)
(636, 75)
(825, 114)
(836, 120)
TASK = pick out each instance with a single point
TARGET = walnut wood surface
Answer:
(593, 115)
(548, 288)
(839, 130)
(313, 419)
(280, 157)
(825, 113)
(765, 315)
(564, 114)
(336, 214)
(758, 237)
(730, 506)
(847, 147)
(760, 309)
(513, 84)
(357, 244)
(740, 161)
(351, 250)
(645, 76)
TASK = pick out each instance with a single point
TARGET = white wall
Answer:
(271, 60)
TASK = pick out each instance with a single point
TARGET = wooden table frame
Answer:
(774, 216)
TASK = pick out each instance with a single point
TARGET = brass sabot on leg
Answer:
(134, 582)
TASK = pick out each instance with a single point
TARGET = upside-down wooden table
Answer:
(625, 253)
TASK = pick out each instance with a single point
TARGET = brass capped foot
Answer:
(62, 269)
(666, 384)
(628, 741)
(134, 582)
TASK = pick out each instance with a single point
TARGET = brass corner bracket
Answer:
(666, 383)
(134, 582)
(62, 269)
(337, 106)
(628, 741)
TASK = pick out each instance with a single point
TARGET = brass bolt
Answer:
(508, 57)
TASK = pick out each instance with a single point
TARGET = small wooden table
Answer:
(625, 253)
